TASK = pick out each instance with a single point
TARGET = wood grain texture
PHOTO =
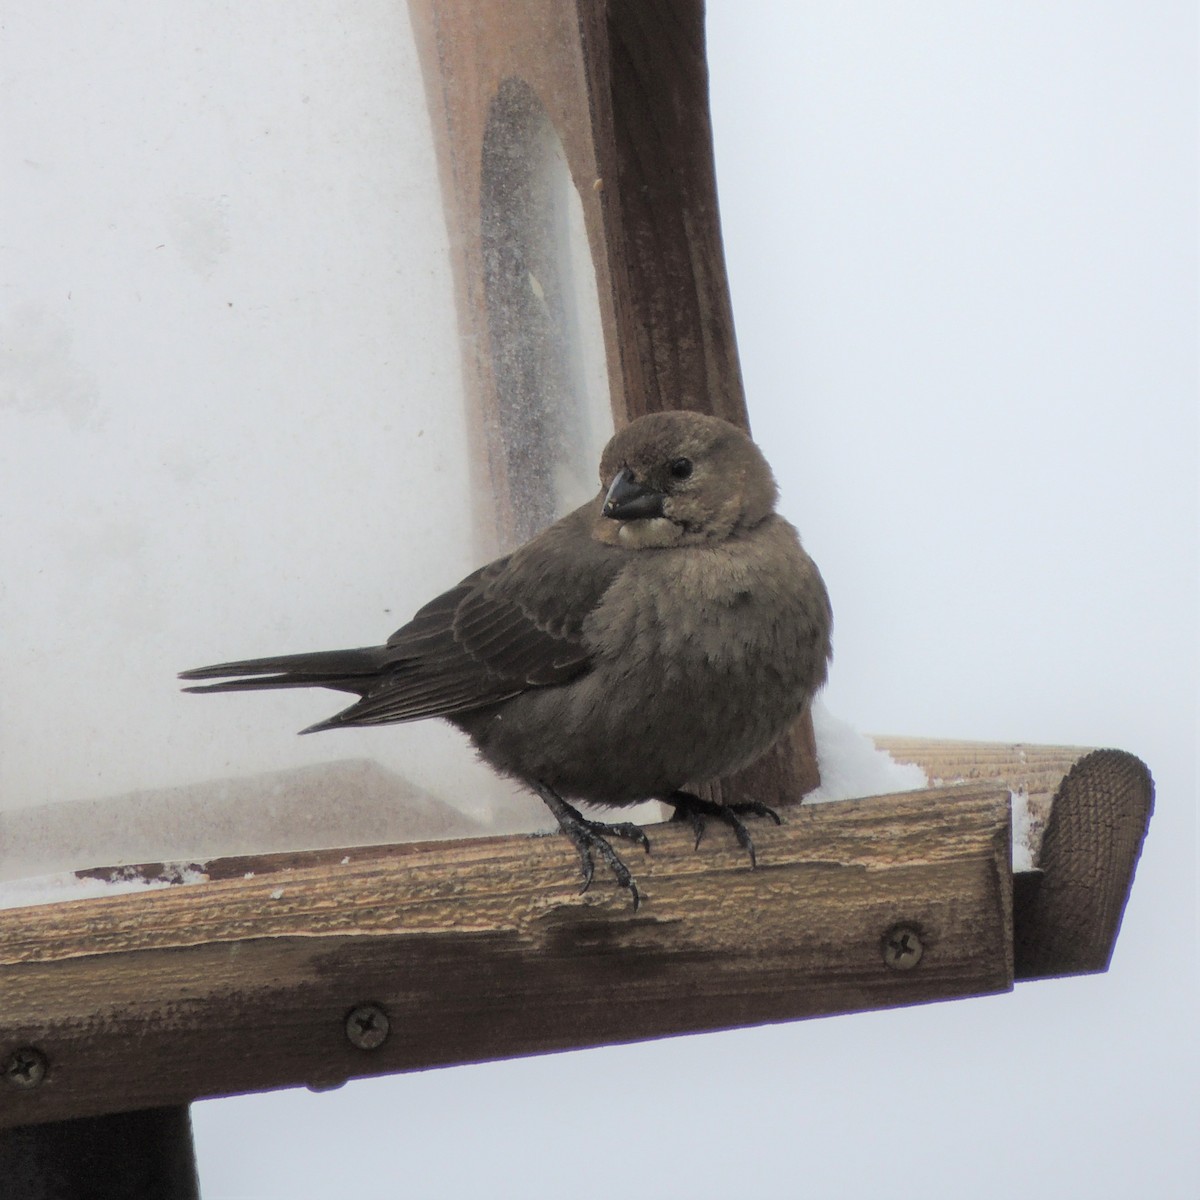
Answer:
(666, 244)
(1100, 816)
(484, 949)
(1091, 810)
(1037, 771)
(671, 300)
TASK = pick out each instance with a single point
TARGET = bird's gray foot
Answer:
(591, 838)
(689, 807)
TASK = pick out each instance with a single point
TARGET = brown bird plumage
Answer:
(667, 632)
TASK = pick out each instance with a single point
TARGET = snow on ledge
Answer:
(63, 886)
(853, 766)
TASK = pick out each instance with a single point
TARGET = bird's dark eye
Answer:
(681, 468)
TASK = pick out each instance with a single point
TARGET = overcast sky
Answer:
(962, 247)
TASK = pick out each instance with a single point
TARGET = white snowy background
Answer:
(962, 245)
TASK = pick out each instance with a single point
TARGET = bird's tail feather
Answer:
(343, 670)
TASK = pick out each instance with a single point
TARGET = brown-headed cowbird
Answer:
(665, 633)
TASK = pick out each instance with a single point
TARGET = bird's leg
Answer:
(689, 807)
(588, 836)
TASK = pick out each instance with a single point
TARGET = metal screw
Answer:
(367, 1026)
(902, 947)
(25, 1068)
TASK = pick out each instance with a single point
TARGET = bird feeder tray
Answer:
(483, 948)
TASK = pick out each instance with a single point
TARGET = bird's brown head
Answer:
(681, 478)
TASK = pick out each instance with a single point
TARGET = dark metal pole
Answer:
(143, 1155)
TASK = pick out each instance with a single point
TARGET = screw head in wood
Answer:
(24, 1068)
(902, 947)
(367, 1026)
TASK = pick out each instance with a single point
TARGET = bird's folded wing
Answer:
(512, 625)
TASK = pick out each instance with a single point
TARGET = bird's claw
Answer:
(689, 807)
(697, 821)
(591, 837)
(623, 829)
(587, 838)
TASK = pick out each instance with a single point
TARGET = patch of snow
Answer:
(853, 766)
(66, 885)
(1022, 831)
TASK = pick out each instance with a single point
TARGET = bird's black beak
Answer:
(627, 500)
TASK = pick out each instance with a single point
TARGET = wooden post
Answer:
(144, 1155)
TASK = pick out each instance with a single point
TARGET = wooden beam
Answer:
(484, 949)
(674, 310)
(1090, 810)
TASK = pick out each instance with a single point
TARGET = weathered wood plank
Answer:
(1091, 812)
(483, 949)
(1037, 771)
